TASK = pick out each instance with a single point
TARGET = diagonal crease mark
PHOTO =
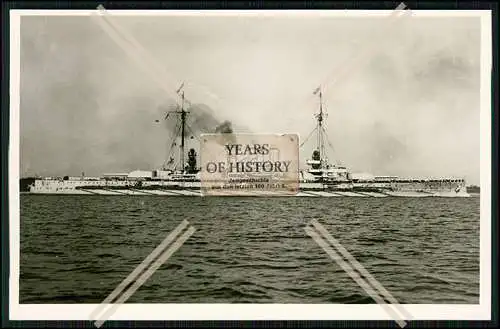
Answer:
(371, 48)
(354, 62)
(134, 48)
(124, 42)
(384, 292)
(134, 281)
(144, 277)
(355, 276)
(352, 268)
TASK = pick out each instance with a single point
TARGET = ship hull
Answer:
(418, 189)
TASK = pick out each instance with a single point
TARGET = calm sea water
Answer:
(77, 249)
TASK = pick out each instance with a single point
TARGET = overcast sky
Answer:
(411, 108)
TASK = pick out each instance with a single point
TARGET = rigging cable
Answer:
(175, 133)
(312, 132)
(192, 133)
(331, 145)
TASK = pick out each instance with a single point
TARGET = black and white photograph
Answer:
(279, 163)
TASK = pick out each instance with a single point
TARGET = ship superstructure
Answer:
(321, 171)
(182, 177)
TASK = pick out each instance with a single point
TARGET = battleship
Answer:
(320, 178)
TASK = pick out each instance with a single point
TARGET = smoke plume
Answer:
(224, 128)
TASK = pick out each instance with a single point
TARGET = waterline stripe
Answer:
(139, 269)
(355, 276)
(320, 228)
(146, 275)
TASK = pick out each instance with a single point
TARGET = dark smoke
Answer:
(200, 119)
(224, 128)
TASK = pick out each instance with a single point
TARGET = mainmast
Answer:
(183, 129)
(319, 129)
(321, 168)
(183, 114)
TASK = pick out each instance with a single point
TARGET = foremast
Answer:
(182, 167)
